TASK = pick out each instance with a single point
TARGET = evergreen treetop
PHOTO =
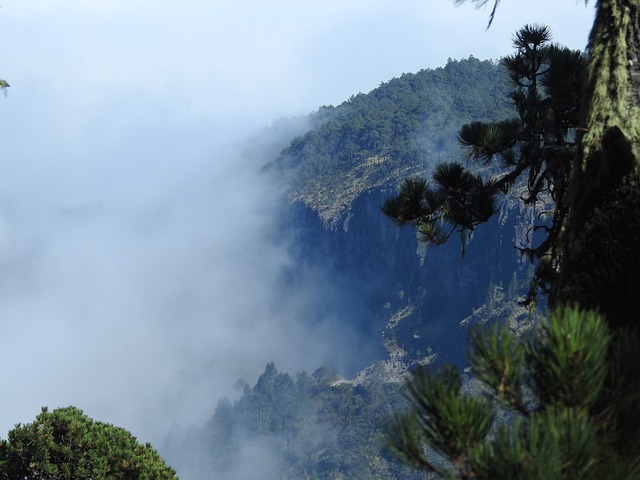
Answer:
(66, 444)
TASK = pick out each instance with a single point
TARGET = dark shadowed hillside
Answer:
(406, 296)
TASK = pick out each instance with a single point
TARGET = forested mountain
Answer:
(401, 128)
(311, 426)
(411, 305)
(338, 174)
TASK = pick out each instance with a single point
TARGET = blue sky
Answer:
(123, 282)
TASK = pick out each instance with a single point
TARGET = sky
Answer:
(136, 271)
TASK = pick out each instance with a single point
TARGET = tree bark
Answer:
(600, 265)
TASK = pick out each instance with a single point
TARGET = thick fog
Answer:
(138, 268)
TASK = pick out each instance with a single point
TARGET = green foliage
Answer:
(556, 444)
(66, 444)
(499, 361)
(450, 423)
(568, 361)
(565, 404)
(458, 197)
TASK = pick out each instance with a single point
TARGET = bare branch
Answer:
(482, 3)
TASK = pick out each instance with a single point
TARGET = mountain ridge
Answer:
(375, 140)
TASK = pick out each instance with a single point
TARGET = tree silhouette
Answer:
(536, 149)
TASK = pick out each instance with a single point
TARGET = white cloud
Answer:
(133, 279)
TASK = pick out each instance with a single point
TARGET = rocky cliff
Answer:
(407, 297)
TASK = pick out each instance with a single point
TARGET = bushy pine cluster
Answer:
(65, 444)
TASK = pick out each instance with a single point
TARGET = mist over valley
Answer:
(190, 219)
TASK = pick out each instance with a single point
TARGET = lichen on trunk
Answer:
(613, 73)
(600, 267)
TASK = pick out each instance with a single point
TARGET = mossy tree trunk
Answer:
(600, 268)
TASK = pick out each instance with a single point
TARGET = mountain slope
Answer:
(409, 301)
(374, 140)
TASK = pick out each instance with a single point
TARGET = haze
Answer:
(136, 266)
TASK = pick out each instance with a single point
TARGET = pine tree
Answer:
(65, 444)
(597, 266)
(536, 148)
(565, 403)
(560, 404)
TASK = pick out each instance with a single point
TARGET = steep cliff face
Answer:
(406, 297)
